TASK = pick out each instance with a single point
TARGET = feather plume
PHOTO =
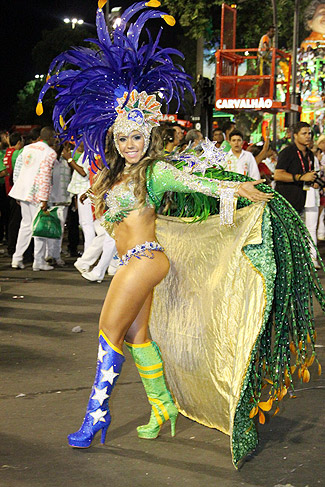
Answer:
(87, 94)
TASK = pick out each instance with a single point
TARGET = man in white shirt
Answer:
(32, 184)
(239, 160)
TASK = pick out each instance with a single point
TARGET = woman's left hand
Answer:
(248, 190)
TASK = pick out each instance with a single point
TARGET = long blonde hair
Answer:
(107, 178)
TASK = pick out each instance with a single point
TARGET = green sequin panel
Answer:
(244, 437)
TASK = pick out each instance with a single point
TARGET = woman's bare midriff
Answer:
(137, 228)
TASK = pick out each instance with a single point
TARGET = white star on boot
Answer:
(108, 375)
(101, 353)
(98, 415)
(100, 395)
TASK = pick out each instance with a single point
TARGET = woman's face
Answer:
(131, 146)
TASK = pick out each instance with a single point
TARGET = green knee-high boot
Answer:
(148, 360)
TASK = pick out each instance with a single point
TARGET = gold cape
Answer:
(208, 312)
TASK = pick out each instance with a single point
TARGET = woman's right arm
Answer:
(166, 177)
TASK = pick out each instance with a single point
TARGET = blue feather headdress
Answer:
(114, 80)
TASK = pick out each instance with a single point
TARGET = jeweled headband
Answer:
(105, 85)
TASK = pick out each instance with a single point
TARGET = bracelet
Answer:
(297, 177)
(69, 160)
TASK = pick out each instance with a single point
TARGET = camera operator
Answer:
(298, 181)
(295, 171)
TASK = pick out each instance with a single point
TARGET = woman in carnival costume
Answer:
(216, 354)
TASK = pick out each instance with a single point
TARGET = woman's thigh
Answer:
(130, 290)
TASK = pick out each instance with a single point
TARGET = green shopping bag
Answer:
(47, 224)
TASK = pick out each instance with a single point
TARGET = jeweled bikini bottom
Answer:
(143, 250)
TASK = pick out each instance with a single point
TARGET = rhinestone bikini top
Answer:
(120, 201)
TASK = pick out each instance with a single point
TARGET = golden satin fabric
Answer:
(207, 313)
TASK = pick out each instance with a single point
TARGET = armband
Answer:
(228, 201)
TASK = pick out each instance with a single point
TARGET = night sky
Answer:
(22, 23)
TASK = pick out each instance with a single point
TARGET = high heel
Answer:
(151, 430)
(150, 367)
(109, 364)
(104, 432)
(173, 420)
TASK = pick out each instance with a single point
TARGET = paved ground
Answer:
(46, 374)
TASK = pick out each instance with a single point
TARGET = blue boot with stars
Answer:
(109, 364)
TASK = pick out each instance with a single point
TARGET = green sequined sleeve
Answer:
(165, 177)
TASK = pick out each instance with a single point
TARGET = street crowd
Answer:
(39, 174)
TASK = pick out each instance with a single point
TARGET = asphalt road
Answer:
(46, 374)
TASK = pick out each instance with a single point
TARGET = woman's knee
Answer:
(114, 332)
(137, 336)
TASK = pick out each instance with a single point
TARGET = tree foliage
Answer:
(202, 18)
(260, 15)
(25, 108)
(199, 19)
